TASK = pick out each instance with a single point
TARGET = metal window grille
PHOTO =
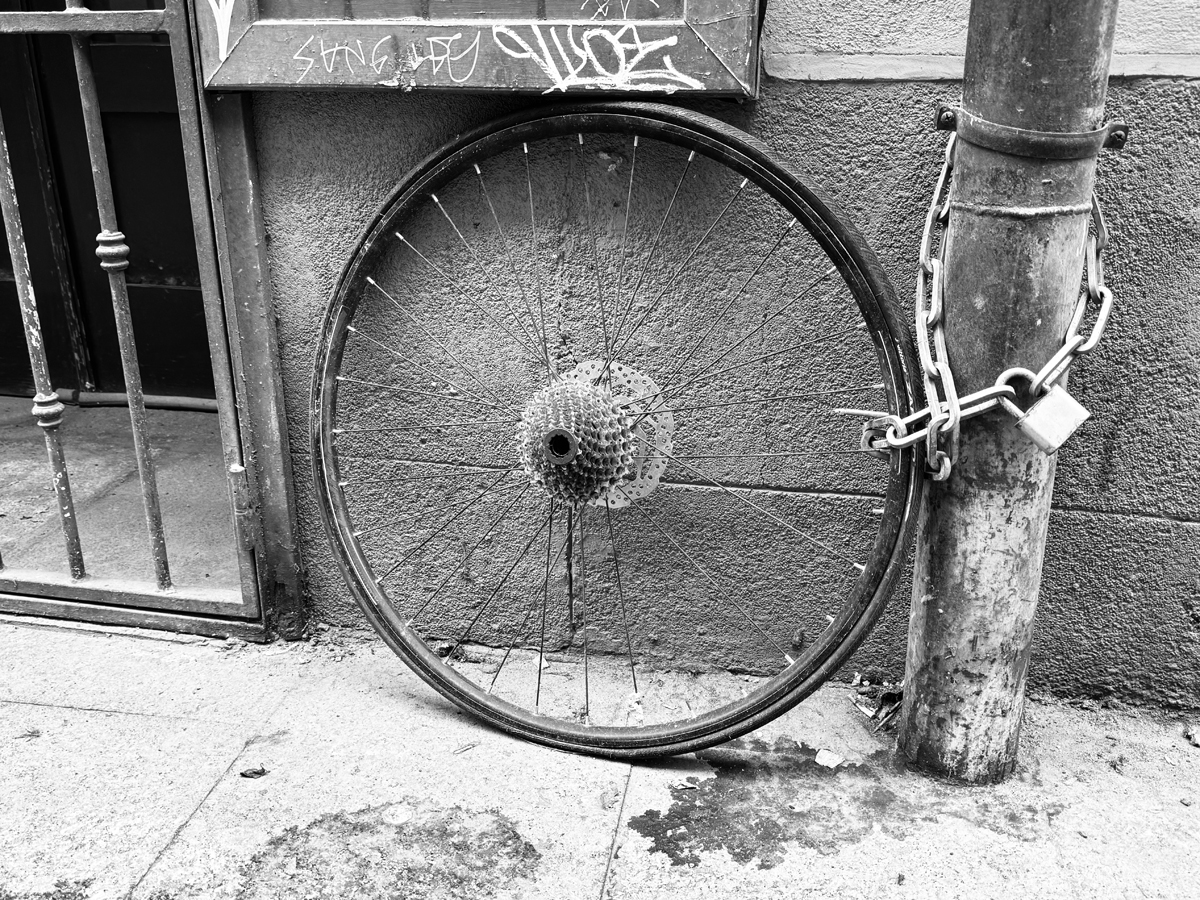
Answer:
(79, 23)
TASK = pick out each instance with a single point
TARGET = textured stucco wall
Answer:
(894, 40)
(1120, 605)
(939, 27)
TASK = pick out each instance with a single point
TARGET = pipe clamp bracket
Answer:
(1025, 142)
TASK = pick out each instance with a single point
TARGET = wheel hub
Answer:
(589, 437)
(575, 441)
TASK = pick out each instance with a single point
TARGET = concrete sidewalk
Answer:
(126, 764)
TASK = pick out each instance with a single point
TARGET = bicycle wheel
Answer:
(573, 434)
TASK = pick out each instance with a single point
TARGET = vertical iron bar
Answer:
(81, 362)
(113, 253)
(46, 407)
(241, 498)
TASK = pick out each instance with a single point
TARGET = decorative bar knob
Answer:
(47, 409)
(112, 251)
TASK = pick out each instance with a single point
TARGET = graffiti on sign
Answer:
(612, 56)
(342, 56)
(657, 46)
(222, 11)
(459, 65)
(602, 9)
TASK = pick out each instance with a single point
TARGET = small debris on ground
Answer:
(233, 645)
(609, 798)
(256, 772)
(868, 711)
(1117, 763)
(1192, 733)
(888, 702)
(900, 878)
(1185, 801)
(29, 735)
(398, 814)
(634, 713)
(465, 747)
(828, 759)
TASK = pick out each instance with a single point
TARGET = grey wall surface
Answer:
(1120, 606)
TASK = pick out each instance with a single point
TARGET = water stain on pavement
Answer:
(394, 850)
(764, 798)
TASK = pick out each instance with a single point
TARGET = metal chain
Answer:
(939, 423)
(945, 409)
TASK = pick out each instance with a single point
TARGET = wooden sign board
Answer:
(530, 46)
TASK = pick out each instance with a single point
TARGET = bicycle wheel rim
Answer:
(876, 303)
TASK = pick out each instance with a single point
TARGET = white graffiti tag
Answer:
(613, 57)
(334, 57)
(442, 56)
(222, 11)
(607, 8)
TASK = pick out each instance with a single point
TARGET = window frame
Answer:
(697, 47)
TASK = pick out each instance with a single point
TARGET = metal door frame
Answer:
(219, 162)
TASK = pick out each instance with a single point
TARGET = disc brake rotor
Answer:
(652, 427)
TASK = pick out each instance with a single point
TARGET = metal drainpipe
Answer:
(1014, 257)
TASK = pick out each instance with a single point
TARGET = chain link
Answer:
(939, 423)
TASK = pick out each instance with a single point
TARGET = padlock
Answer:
(1053, 418)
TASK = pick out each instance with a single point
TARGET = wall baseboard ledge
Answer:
(790, 66)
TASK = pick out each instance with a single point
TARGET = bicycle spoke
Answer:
(452, 463)
(624, 243)
(774, 518)
(467, 370)
(856, 451)
(707, 376)
(541, 337)
(493, 487)
(487, 278)
(521, 628)
(377, 479)
(458, 287)
(768, 319)
(511, 647)
(787, 657)
(583, 601)
(495, 591)
(383, 428)
(537, 280)
(587, 194)
(493, 491)
(654, 246)
(537, 699)
(462, 511)
(621, 594)
(467, 556)
(728, 303)
(405, 390)
(679, 271)
(413, 363)
(676, 410)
